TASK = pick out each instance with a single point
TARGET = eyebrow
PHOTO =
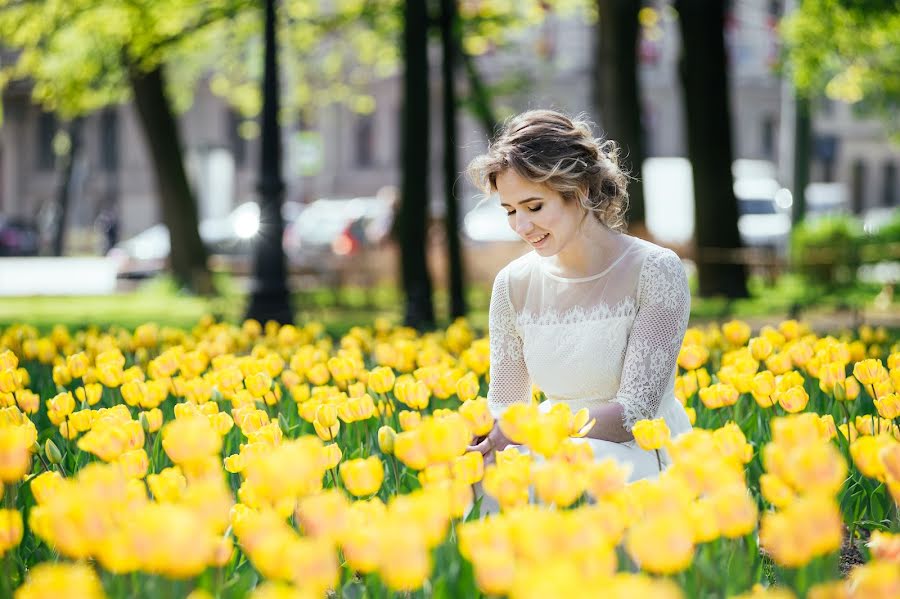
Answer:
(525, 201)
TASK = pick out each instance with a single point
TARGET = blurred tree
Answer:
(414, 190)
(82, 55)
(67, 157)
(705, 81)
(616, 90)
(848, 50)
(449, 21)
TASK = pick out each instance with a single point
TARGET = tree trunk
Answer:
(270, 299)
(64, 197)
(188, 256)
(413, 217)
(449, 25)
(480, 98)
(616, 91)
(705, 82)
(802, 141)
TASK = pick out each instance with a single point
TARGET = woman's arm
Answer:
(664, 303)
(510, 382)
(609, 417)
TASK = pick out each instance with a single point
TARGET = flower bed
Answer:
(267, 461)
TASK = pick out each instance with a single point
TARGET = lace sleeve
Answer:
(510, 382)
(664, 302)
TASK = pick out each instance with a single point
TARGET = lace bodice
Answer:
(613, 336)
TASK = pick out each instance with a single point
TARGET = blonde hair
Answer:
(548, 147)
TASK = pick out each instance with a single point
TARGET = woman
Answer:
(593, 316)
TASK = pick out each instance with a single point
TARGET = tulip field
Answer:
(250, 460)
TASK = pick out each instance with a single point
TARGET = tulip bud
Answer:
(52, 452)
(145, 424)
(386, 437)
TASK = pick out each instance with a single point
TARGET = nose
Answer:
(523, 224)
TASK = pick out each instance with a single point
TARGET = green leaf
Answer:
(354, 589)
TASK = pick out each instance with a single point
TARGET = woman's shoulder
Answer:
(652, 253)
(520, 268)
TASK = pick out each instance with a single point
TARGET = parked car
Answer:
(330, 228)
(146, 253)
(18, 237)
(764, 217)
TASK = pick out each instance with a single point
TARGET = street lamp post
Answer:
(270, 299)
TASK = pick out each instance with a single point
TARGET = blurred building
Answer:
(345, 154)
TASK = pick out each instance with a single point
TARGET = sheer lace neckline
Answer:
(542, 263)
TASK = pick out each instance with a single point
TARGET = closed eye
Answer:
(530, 209)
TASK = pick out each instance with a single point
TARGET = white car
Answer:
(764, 217)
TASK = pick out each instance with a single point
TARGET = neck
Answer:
(589, 252)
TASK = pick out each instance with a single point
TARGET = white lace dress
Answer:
(613, 336)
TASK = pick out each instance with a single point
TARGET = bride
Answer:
(594, 317)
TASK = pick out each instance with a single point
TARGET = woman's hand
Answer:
(490, 443)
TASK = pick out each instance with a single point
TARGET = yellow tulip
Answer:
(793, 400)
(331, 455)
(718, 395)
(517, 420)
(888, 406)
(875, 580)
(865, 453)
(381, 379)
(386, 436)
(362, 476)
(15, 453)
(779, 363)
(356, 409)
(477, 416)
(58, 579)
(11, 529)
(775, 490)
(693, 356)
(28, 401)
(760, 348)
(61, 375)
(44, 485)
(190, 440)
(869, 371)
(736, 332)
(556, 483)
(405, 561)
(410, 449)
(651, 434)
(662, 544)
(692, 415)
(467, 387)
(468, 468)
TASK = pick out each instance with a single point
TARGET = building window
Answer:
(47, 127)
(858, 186)
(768, 136)
(109, 140)
(889, 197)
(237, 141)
(365, 141)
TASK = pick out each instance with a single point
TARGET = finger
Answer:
(483, 447)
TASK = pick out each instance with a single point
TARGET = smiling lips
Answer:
(537, 240)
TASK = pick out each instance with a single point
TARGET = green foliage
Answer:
(826, 250)
(78, 53)
(829, 250)
(850, 50)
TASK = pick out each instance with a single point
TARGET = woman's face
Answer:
(537, 213)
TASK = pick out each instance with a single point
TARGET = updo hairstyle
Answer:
(548, 147)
